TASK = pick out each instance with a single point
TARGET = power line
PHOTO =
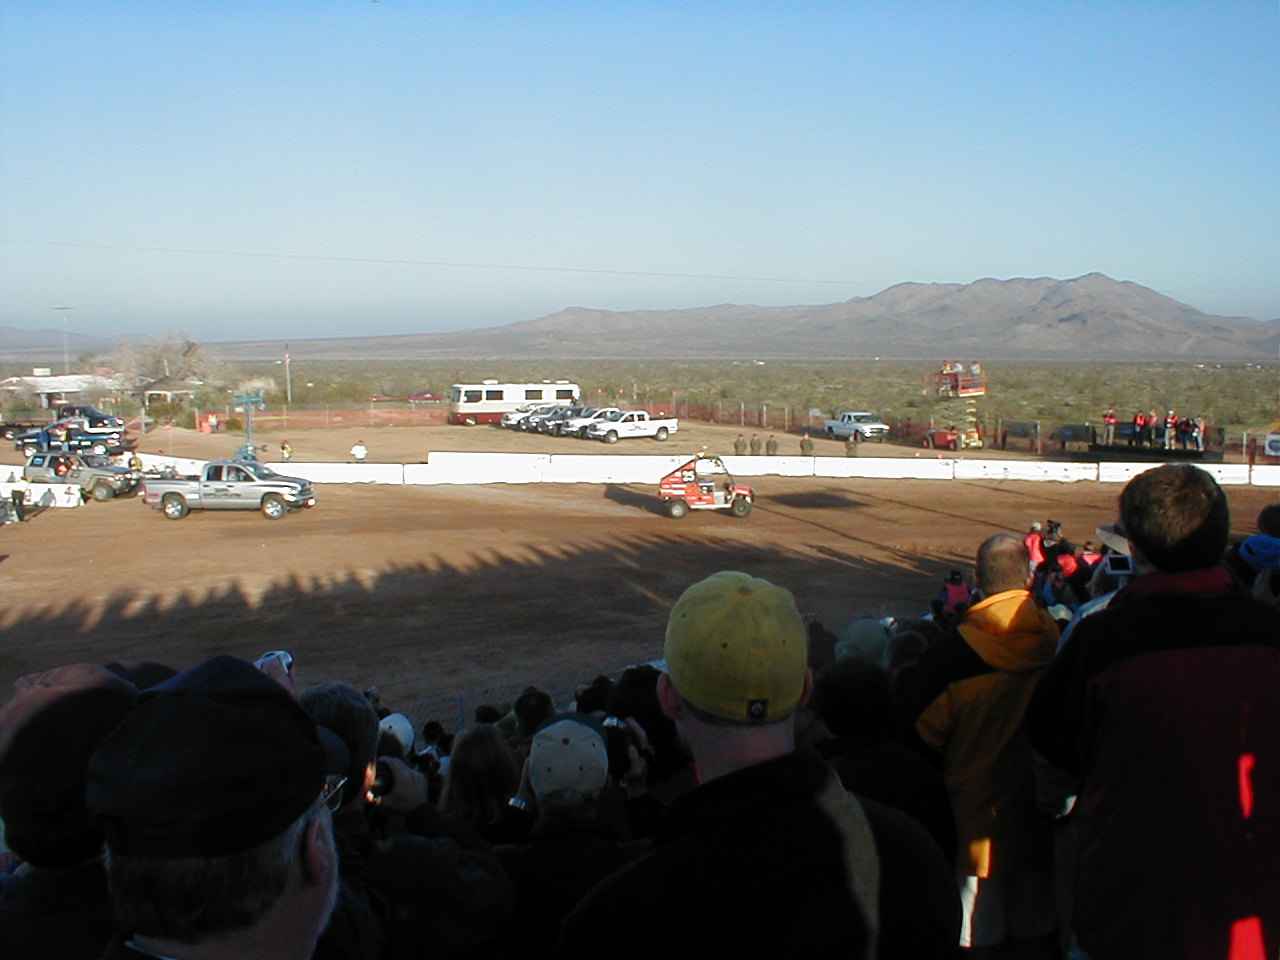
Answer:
(450, 264)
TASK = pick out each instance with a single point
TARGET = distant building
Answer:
(66, 388)
(170, 390)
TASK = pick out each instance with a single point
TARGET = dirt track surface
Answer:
(435, 593)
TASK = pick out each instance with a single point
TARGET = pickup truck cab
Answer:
(866, 425)
(96, 477)
(229, 485)
(577, 426)
(624, 424)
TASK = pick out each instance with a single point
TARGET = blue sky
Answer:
(190, 166)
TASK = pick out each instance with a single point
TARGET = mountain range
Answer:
(1092, 317)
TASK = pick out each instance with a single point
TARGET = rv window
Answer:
(493, 394)
(471, 396)
(564, 395)
(533, 394)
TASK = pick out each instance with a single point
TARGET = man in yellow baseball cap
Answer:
(769, 855)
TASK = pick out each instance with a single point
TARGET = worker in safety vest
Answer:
(1109, 427)
(1170, 429)
(1139, 428)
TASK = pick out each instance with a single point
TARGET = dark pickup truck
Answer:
(70, 437)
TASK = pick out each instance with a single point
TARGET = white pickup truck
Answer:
(577, 426)
(867, 425)
(624, 424)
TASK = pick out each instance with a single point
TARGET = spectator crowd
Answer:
(1075, 754)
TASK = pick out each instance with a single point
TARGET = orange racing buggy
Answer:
(704, 483)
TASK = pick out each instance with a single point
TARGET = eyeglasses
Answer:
(331, 795)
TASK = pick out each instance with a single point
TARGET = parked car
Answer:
(423, 396)
(867, 425)
(229, 485)
(555, 421)
(577, 426)
(513, 418)
(531, 422)
(624, 424)
(96, 476)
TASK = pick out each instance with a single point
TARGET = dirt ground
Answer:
(446, 597)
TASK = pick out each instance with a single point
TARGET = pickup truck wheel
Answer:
(741, 506)
(102, 492)
(611, 436)
(273, 507)
(174, 507)
(661, 434)
(677, 509)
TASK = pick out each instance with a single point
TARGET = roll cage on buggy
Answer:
(704, 483)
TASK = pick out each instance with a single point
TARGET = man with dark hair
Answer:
(532, 708)
(769, 834)
(213, 797)
(966, 698)
(1269, 520)
(1163, 708)
(56, 903)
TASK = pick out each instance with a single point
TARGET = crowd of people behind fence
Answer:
(1072, 751)
(1166, 431)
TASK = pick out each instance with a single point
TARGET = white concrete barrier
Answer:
(884, 468)
(1265, 475)
(581, 468)
(383, 473)
(478, 468)
(1039, 470)
(769, 466)
(1227, 474)
(44, 494)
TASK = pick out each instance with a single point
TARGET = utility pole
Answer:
(66, 354)
(288, 381)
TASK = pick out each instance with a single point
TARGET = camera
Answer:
(1119, 565)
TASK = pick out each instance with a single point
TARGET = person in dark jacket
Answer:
(56, 903)
(769, 855)
(1163, 709)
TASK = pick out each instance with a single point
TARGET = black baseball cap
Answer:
(213, 762)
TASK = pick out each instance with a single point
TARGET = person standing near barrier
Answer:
(755, 444)
(1153, 420)
(1139, 428)
(286, 451)
(1170, 429)
(851, 444)
(1109, 427)
(806, 445)
(771, 446)
(740, 446)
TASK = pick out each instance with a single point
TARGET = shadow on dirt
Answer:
(627, 497)
(816, 500)
(438, 635)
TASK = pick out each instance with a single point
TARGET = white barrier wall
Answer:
(1265, 476)
(582, 468)
(1227, 474)
(45, 494)
(1061, 472)
(769, 466)
(884, 468)
(478, 468)
(386, 473)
